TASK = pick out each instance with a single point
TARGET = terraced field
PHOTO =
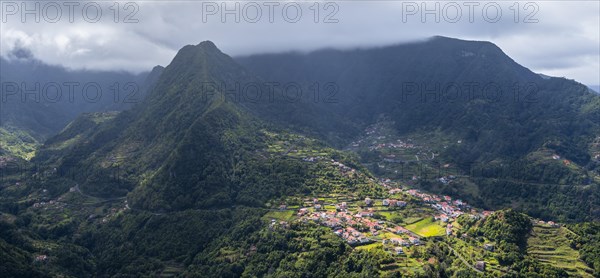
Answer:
(551, 246)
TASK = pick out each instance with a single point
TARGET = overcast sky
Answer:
(557, 38)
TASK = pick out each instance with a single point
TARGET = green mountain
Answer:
(496, 123)
(195, 174)
(464, 88)
(201, 180)
(178, 150)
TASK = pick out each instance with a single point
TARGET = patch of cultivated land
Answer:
(427, 228)
(286, 215)
(551, 246)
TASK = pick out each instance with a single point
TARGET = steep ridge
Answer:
(181, 148)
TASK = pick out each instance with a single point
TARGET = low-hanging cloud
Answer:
(565, 40)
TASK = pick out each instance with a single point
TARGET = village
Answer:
(400, 220)
(397, 218)
(361, 222)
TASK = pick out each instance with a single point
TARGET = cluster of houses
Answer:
(447, 179)
(41, 258)
(398, 241)
(356, 227)
(352, 236)
(278, 224)
(344, 223)
(449, 209)
(397, 244)
(566, 162)
(372, 132)
(312, 158)
(342, 167)
(398, 145)
(114, 211)
(49, 205)
(549, 223)
(386, 202)
(393, 203)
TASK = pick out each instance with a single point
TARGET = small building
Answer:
(364, 240)
(480, 265)
(302, 211)
(396, 241)
(365, 214)
(488, 247)
(414, 240)
(398, 251)
(341, 207)
(444, 218)
(41, 258)
(449, 231)
(368, 201)
(385, 202)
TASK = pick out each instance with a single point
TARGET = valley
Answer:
(383, 218)
(182, 186)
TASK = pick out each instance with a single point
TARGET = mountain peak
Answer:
(447, 41)
(207, 45)
(157, 68)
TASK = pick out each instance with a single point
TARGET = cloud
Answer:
(564, 41)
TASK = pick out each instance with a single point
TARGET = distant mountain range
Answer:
(38, 100)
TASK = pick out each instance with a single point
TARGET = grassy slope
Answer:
(427, 227)
(17, 143)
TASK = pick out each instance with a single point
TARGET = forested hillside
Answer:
(201, 180)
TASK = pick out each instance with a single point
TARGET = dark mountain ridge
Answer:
(469, 89)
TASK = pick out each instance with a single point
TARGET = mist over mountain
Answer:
(38, 100)
(503, 116)
(469, 90)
